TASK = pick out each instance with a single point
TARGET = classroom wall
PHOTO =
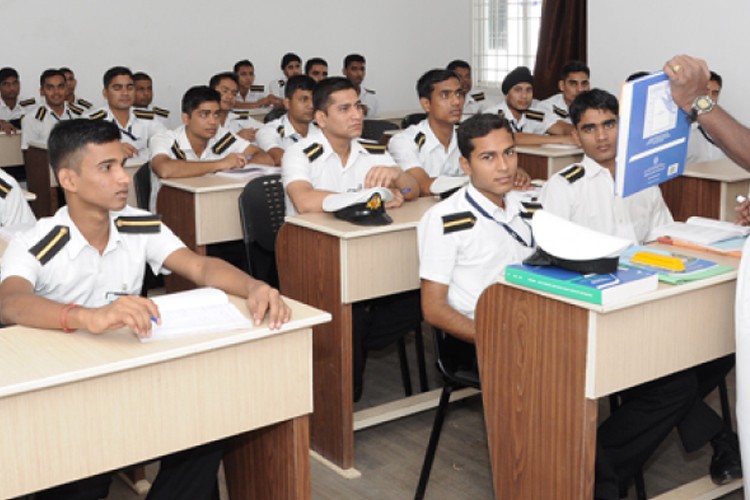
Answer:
(182, 43)
(630, 35)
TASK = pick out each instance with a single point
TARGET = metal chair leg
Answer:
(421, 366)
(404, 362)
(429, 455)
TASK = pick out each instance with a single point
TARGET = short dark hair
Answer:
(715, 77)
(479, 125)
(49, 73)
(457, 63)
(592, 99)
(574, 67)
(289, 57)
(352, 58)
(140, 76)
(114, 72)
(426, 82)
(324, 88)
(195, 96)
(313, 61)
(218, 77)
(240, 64)
(298, 82)
(68, 137)
(6, 73)
(66, 69)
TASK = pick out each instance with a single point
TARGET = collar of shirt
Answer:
(77, 242)
(497, 213)
(131, 118)
(184, 143)
(592, 167)
(431, 141)
(517, 125)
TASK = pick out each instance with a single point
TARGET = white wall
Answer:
(631, 35)
(182, 43)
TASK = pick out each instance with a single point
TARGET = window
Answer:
(506, 34)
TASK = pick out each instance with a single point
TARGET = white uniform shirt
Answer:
(369, 99)
(313, 160)
(701, 146)
(418, 146)
(22, 107)
(176, 145)
(14, 210)
(160, 114)
(556, 107)
(589, 201)
(276, 87)
(475, 102)
(238, 120)
(532, 121)
(255, 93)
(76, 272)
(36, 126)
(465, 257)
(141, 126)
(280, 133)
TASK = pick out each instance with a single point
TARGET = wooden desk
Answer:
(10, 150)
(541, 162)
(707, 189)
(330, 264)
(544, 360)
(71, 404)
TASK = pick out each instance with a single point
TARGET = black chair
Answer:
(273, 114)
(457, 362)
(142, 184)
(374, 129)
(412, 119)
(262, 214)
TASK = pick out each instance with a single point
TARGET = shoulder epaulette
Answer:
(479, 96)
(535, 115)
(27, 102)
(51, 244)
(280, 129)
(143, 114)
(98, 115)
(458, 222)
(573, 173)
(76, 109)
(5, 188)
(223, 144)
(41, 113)
(257, 88)
(313, 151)
(419, 139)
(375, 149)
(178, 152)
(164, 113)
(138, 224)
(242, 115)
(501, 113)
(84, 103)
(282, 83)
(562, 113)
(369, 91)
(529, 208)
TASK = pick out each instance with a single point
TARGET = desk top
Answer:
(724, 170)
(36, 359)
(406, 216)
(550, 150)
(209, 183)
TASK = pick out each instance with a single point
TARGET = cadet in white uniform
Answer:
(38, 125)
(12, 108)
(14, 209)
(474, 100)
(291, 65)
(70, 91)
(574, 79)
(144, 96)
(237, 121)
(355, 70)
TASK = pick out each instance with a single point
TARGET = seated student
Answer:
(239, 122)
(136, 126)
(296, 125)
(249, 95)
(14, 209)
(59, 274)
(355, 70)
(574, 79)
(70, 89)
(199, 146)
(316, 68)
(38, 125)
(144, 96)
(584, 194)
(12, 108)
(291, 65)
(701, 147)
(532, 127)
(474, 102)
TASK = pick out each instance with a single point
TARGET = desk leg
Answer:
(540, 426)
(177, 210)
(38, 181)
(272, 463)
(309, 265)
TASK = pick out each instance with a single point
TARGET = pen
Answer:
(405, 191)
(741, 199)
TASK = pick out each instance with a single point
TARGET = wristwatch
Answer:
(702, 104)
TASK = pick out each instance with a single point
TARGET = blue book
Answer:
(603, 289)
(652, 137)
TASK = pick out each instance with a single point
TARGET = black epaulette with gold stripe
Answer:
(369, 91)
(76, 110)
(458, 222)
(535, 115)
(257, 88)
(313, 151)
(280, 129)
(51, 244)
(178, 152)
(5, 188)
(84, 103)
(573, 173)
(501, 113)
(419, 139)
(242, 115)
(27, 102)
(479, 96)
(282, 83)
(224, 143)
(529, 208)
(562, 113)
(372, 148)
(143, 114)
(164, 113)
(138, 224)
(41, 113)
(98, 115)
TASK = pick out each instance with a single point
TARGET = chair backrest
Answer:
(456, 359)
(412, 119)
(273, 114)
(262, 215)
(142, 183)
(374, 129)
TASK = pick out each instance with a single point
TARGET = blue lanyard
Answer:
(505, 226)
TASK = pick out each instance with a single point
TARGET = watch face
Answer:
(703, 103)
